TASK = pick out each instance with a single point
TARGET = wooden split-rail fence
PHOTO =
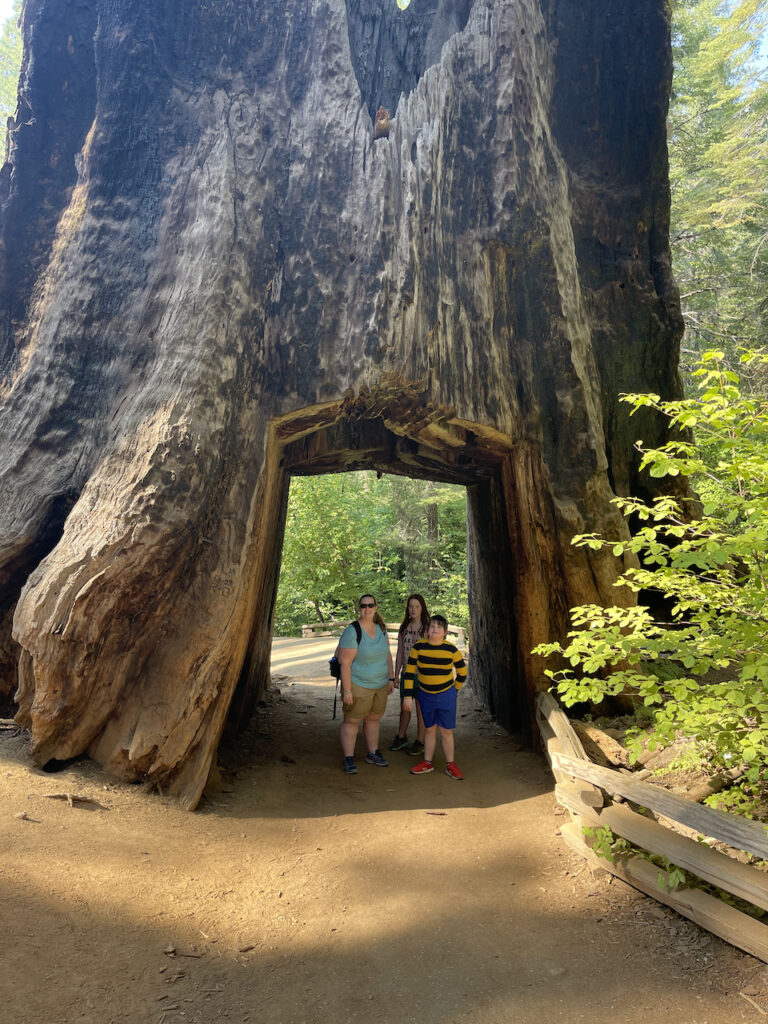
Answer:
(595, 797)
(335, 628)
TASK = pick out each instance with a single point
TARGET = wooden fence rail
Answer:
(336, 628)
(582, 786)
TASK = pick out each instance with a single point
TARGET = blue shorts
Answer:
(439, 708)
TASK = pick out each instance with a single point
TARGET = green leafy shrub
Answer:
(703, 669)
(612, 847)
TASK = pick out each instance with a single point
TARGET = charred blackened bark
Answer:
(213, 277)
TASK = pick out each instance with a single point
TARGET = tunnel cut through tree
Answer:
(212, 276)
(350, 439)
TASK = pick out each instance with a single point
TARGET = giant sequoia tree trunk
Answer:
(212, 277)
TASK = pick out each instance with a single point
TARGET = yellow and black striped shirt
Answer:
(433, 665)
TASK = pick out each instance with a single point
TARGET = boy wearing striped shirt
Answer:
(441, 672)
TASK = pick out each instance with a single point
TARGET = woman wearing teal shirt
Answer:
(367, 679)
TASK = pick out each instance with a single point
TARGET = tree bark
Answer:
(213, 277)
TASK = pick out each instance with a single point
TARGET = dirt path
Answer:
(298, 895)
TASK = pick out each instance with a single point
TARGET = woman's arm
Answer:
(346, 656)
(392, 679)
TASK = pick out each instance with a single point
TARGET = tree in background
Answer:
(718, 159)
(352, 532)
(427, 548)
(10, 63)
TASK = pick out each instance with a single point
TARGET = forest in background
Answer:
(718, 154)
(10, 63)
(354, 532)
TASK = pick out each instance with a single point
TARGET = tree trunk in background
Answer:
(212, 277)
(432, 533)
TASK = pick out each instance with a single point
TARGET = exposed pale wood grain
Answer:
(579, 796)
(548, 710)
(558, 720)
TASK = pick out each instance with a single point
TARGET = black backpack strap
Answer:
(358, 631)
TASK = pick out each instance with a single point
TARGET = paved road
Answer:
(303, 660)
(307, 660)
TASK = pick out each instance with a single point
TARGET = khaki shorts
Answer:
(366, 702)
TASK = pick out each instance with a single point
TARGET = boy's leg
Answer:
(420, 729)
(430, 738)
(446, 739)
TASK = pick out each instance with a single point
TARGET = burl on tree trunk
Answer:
(213, 277)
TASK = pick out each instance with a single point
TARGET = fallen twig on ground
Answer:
(73, 798)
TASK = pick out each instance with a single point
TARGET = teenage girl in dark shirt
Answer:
(413, 627)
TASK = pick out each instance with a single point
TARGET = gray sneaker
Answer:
(376, 758)
(348, 765)
(416, 749)
(398, 743)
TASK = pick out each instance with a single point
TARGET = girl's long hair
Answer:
(376, 617)
(424, 615)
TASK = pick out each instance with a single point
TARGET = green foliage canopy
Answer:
(353, 532)
(718, 154)
(10, 63)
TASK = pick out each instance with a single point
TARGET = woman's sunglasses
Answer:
(367, 604)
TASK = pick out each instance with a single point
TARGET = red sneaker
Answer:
(452, 771)
(422, 768)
